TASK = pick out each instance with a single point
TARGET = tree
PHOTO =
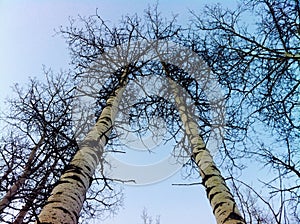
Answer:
(97, 50)
(254, 73)
(100, 57)
(221, 200)
(148, 219)
(39, 145)
(257, 62)
(67, 197)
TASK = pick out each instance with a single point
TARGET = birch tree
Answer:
(108, 59)
(40, 143)
(103, 52)
(254, 51)
(87, 49)
(221, 199)
(67, 197)
(218, 193)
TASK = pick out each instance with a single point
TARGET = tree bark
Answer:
(218, 194)
(67, 197)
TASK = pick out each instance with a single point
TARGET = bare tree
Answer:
(218, 193)
(40, 143)
(38, 146)
(258, 78)
(100, 55)
(254, 51)
(148, 219)
(93, 49)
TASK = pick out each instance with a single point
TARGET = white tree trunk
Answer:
(218, 194)
(67, 197)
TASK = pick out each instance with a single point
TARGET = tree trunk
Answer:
(218, 194)
(32, 196)
(67, 197)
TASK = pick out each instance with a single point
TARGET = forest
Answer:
(221, 92)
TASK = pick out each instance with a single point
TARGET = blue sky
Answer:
(27, 42)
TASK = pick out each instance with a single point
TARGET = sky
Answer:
(28, 41)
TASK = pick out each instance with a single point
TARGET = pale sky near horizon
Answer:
(27, 42)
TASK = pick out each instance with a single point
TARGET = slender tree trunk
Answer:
(218, 194)
(67, 197)
(32, 196)
(8, 197)
(23, 212)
